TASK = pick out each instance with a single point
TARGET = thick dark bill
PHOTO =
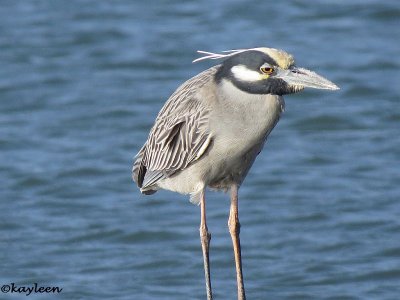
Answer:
(306, 78)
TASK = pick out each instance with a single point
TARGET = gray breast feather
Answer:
(179, 136)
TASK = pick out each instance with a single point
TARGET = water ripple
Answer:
(81, 83)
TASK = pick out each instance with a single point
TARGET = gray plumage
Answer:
(179, 133)
(212, 128)
(190, 123)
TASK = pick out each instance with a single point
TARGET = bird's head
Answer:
(266, 71)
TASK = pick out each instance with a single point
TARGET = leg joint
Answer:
(234, 225)
(204, 233)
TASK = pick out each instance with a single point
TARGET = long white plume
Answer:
(224, 54)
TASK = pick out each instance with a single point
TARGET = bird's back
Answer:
(179, 136)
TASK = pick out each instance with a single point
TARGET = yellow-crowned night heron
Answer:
(211, 129)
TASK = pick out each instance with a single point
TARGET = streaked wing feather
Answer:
(151, 177)
(179, 136)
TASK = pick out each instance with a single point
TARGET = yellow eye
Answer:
(267, 70)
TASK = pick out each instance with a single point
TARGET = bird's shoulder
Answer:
(188, 104)
(188, 95)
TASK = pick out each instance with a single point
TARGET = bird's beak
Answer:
(305, 78)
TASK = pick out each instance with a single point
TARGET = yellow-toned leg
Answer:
(234, 230)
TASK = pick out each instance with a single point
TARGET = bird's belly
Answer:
(232, 169)
(239, 139)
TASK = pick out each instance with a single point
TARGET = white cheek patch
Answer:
(242, 73)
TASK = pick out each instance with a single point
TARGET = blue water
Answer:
(80, 85)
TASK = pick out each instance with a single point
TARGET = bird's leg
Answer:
(234, 230)
(205, 238)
